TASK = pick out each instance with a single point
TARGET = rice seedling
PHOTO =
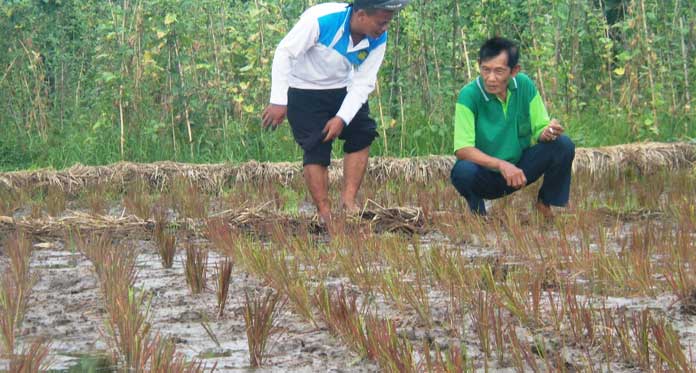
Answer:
(31, 359)
(13, 303)
(581, 320)
(96, 198)
(195, 268)
(285, 276)
(16, 285)
(360, 265)
(455, 359)
(414, 293)
(667, 349)
(260, 316)
(55, 201)
(137, 199)
(18, 249)
(223, 272)
(128, 327)
(484, 319)
(11, 200)
(342, 315)
(394, 353)
(189, 200)
(127, 324)
(36, 209)
(164, 239)
(163, 358)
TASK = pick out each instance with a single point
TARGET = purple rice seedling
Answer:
(165, 240)
(189, 200)
(667, 348)
(128, 327)
(225, 240)
(16, 284)
(95, 199)
(55, 201)
(522, 354)
(285, 276)
(11, 200)
(481, 313)
(413, 293)
(260, 316)
(32, 359)
(343, 317)
(455, 360)
(137, 199)
(223, 273)
(195, 268)
(394, 353)
(18, 249)
(581, 319)
(35, 210)
(13, 304)
(683, 285)
(163, 358)
(360, 266)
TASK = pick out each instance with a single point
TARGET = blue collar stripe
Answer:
(331, 24)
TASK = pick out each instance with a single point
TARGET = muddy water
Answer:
(66, 307)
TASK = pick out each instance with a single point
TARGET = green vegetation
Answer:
(101, 81)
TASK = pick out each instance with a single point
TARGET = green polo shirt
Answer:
(499, 129)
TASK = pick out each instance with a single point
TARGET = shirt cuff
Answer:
(279, 94)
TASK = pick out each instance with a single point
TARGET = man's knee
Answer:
(565, 146)
(463, 175)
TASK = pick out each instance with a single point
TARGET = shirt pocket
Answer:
(524, 125)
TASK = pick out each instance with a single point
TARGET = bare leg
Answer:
(317, 180)
(354, 165)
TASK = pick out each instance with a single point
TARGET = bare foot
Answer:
(351, 209)
(544, 210)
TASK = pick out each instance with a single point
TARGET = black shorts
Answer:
(308, 112)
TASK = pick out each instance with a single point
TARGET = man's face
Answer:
(373, 25)
(496, 73)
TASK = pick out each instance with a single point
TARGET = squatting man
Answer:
(497, 118)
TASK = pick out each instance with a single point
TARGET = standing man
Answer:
(323, 71)
(497, 117)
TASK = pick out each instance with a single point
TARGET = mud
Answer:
(65, 306)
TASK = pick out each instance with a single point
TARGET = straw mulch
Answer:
(643, 158)
(408, 220)
(259, 220)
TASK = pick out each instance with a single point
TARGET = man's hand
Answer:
(333, 129)
(273, 115)
(552, 131)
(514, 177)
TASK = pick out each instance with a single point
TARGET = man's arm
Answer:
(514, 176)
(300, 38)
(543, 128)
(362, 84)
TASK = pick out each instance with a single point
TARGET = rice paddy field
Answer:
(193, 269)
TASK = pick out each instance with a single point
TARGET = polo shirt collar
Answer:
(363, 44)
(512, 86)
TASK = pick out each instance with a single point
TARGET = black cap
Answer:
(380, 4)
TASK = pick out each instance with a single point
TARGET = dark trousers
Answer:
(552, 159)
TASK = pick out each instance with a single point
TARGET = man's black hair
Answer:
(494, 46)
(372, 6)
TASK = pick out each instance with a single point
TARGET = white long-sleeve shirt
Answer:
(318, 53)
